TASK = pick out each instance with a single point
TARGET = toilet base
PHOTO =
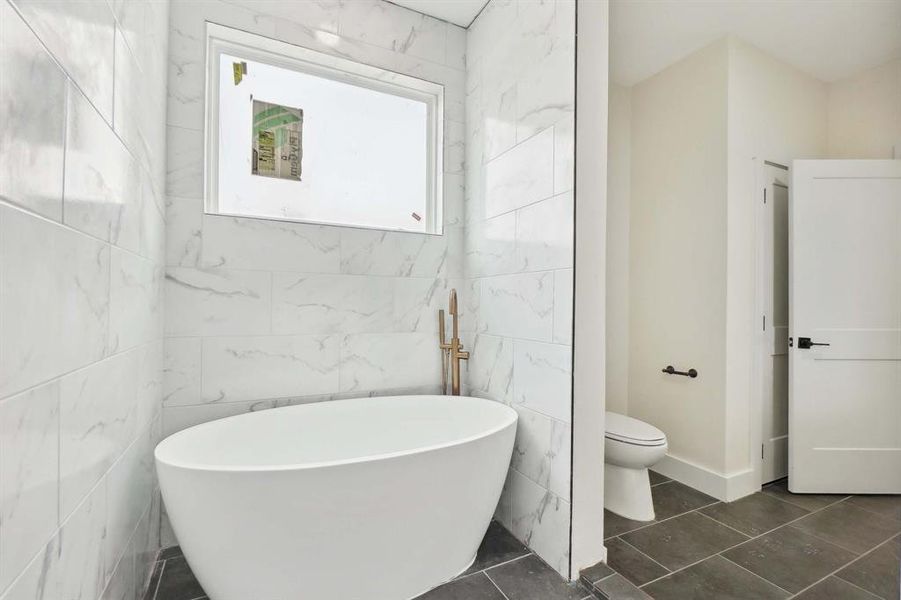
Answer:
(627, 492)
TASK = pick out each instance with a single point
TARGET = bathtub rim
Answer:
(511, 420)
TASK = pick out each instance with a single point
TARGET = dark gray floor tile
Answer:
(150, 592)
(657, 477)
(790, 558)
(632, 564)
(596, 573)
(755, 514)
(530, 579)
(473, 587)
(811, 502)
(878, 572)
(846, 525)
(674, 498)
(617, 587)
(615, 525)
(498, 546)
(833, 588)
(177, 581)
(714, 579)
(681, 541)
(887, 506)
(170, 552)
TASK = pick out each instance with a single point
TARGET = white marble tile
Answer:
(121, 585)
(217, 302)
(332, 304)
(87, 25)
(177, 418)
(77, 570)
(454, 147)
(518, 306)
(41, 264)
(185, 102)
(135, 313)
(149, 389)
(371, 252)
(71, 565)
(101, 177)
(542, 378)
(181, 371)
(257, 367)
(454, 195)
(417, 302)
(491, 246)
(456, 47)
(128, 488)
(541, 521)
(564, 155)
(483, 32)
(398, 29)
(489, 369)
(561, 459)
(29, 471)
(563, 306)
(184, 162)
(184, 231)
(318, 14)
(471, 296)
(546, 93)
(499, 121)
(520, 176)
(544, 234)
(32, 110)
(152, 227)
(542, 451)
(238, 243)
(97, 421)
(378, 361)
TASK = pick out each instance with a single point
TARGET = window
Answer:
(298, 135)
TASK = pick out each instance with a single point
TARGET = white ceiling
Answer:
(828, 39)
(458, 12)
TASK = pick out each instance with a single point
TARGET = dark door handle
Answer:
(804, 343)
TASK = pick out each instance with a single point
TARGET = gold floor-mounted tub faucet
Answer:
(451, 353)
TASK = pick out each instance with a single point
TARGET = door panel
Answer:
(845, 286)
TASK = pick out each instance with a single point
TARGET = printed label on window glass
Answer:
(277, 141)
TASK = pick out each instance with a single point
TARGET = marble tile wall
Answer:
(82, 151)
(519, 250)
(265, 313)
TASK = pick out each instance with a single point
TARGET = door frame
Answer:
(763, 291)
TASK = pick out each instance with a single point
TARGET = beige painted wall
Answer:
(776, 113)
(677, 253)
(864, 114)
(619, 181)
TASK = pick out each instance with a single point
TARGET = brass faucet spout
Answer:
(452, 352)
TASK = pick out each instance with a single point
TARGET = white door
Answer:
(774, 324)
(845, 298)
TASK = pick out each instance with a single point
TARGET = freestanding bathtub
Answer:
(370, 498)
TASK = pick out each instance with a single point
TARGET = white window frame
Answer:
(221, 39)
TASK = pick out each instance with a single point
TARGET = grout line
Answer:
(757, 576)
(720, 553)
(159, 580)
(494, 583)
(750, 537)
(505, 563)
(642, 553)
(835, 572)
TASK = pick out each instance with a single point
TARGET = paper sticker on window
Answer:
(277, 141)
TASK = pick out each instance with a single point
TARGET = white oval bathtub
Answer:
(375, 498)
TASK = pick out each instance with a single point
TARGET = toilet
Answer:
(631, 446)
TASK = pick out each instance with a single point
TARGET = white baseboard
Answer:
(722, 487)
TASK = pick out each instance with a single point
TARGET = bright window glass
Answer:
(333, 141)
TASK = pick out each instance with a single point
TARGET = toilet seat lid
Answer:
(626, 429)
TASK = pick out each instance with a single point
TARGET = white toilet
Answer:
(630, 447)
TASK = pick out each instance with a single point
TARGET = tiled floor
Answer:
(772, 544)
(504, 570)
